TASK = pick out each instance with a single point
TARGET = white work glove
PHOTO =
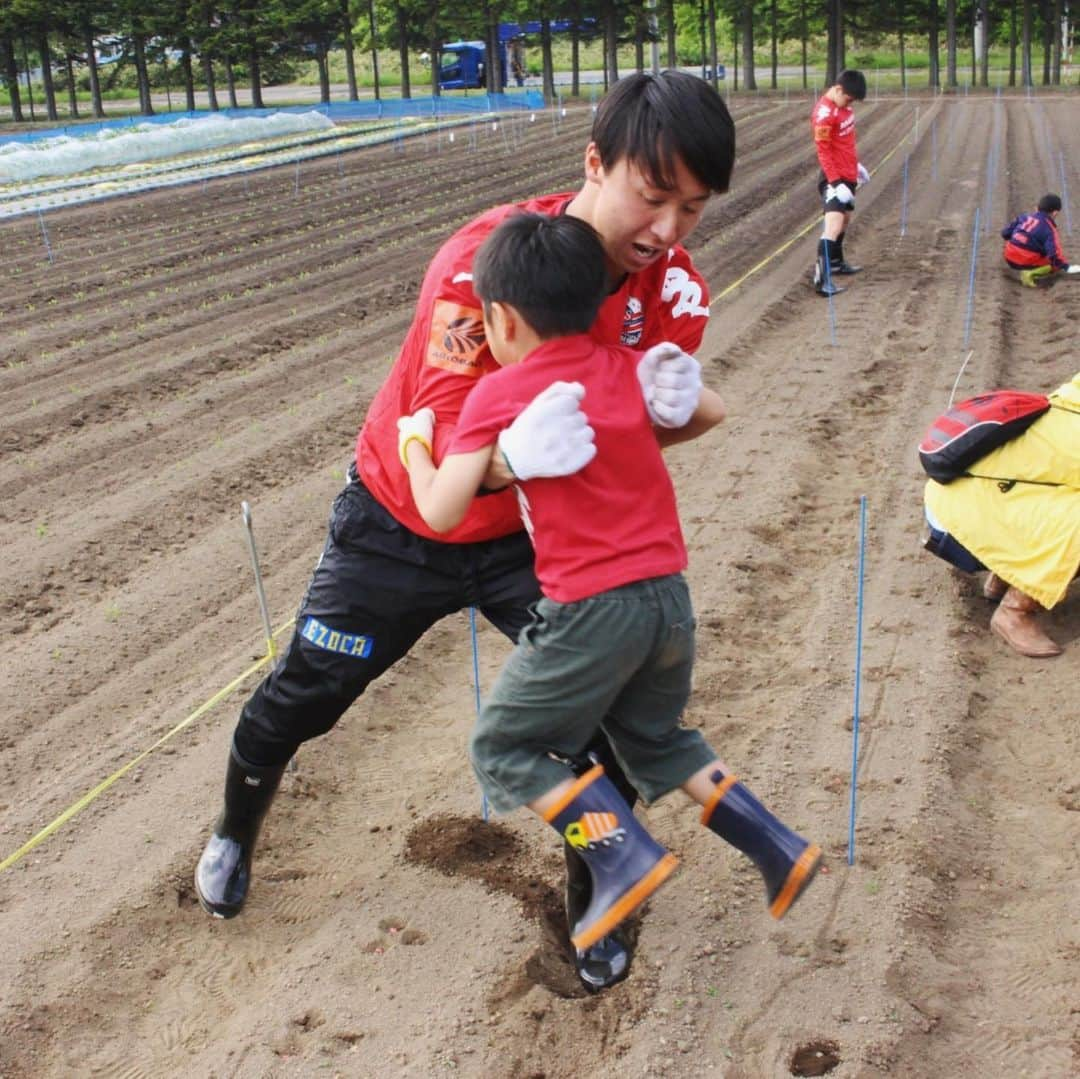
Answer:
(1073, 267)
(551, 435)
(840, 192)
(670, 383)
(419, 427)
(863, 174)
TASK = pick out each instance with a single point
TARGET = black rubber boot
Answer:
(823, 282)
(223, 874)
(786, 860)
(625, 863)
(840, 266)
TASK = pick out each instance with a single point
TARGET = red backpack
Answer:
(972, 428)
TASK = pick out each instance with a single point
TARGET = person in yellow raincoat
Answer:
(1017, 514)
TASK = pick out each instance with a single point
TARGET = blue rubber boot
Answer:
(627, 865)
(223, 875)
(786, 860)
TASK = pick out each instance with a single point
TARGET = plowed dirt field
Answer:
(195, 348)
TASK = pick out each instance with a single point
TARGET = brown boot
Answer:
(994, 587)
(1014, 622)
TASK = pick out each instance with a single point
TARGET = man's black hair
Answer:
(551, 269)
(1049, 204)
(652, 120)
(854, 83)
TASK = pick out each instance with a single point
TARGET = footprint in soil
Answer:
(490, 853)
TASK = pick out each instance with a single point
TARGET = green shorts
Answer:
(621, 660)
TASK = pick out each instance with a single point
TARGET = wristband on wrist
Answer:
(405, 445)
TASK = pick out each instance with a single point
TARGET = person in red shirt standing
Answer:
(833, 123)
(611, 642)
(661, 146)
(1032, 243)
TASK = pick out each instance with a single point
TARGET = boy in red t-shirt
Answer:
(833, 123)
(612, 639)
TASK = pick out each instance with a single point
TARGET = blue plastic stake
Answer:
(832, 309)
(476, 687)
(971, 278)
(933, 140)
(903, 201)
(45, 236)
(858, 680)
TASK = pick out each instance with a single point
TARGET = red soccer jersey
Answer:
(445, 354)
(613, 522)
(834, 139)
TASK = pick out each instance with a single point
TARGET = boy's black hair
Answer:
(551, 269)
(853, 82)
(652, 120)
(1049, 204)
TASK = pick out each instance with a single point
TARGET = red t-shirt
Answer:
(613, 522)
(834, 139)
(445, 354)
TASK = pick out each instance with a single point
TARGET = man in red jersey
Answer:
(661, 146)
(833, 123)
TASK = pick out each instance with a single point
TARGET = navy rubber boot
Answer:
(607, 962)
(787, 861)
(223, 875)
(626, 864)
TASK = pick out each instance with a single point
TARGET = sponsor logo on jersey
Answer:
(823, 112)
(330, 640)
(683, 294)
(457, 338)
(633, 323)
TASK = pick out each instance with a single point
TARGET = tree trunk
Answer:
(1048, 39)
(1056, 17)
(189, 77)
(374, 49)
(984, 60)
(773, 46)
(11, 77)
(146, 106)
(950, 44)
(435, 52)
(230, 79)
(803, 41)
(1025, 46)
(900, 35)
(46, 77)
(639, 36)
(350, 48)
(208, 75)
(547, 61)
(611, 44)
(575, 60)
(403, 50)
(749, 79)
(69, 71)
(714, 55)
(496, 75)
(834, 62)
(324, 72)
(934, 69)
(734, 56)
(255, 73)
(92, 70)
(1012, 43)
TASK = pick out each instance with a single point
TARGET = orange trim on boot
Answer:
(586, 780)
(717, 797)
(629, 902)
(802, 872)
